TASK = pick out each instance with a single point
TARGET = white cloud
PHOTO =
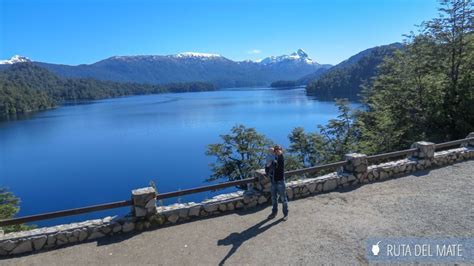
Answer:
(254, 51)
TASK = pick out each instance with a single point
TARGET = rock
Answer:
(222, 207)
(356, 163)
(107, 219)
(151, 203)
(304, 190)
(312, 187)
(8, 245)
(403, 168)
(147, 225)
(370, 177)
(428, 163)
(425, 149)
(61, 239)
(142, 196)
(140, 212)
(22, 247)
(173, 218)
(128, 226)
(361, 168)
(383, 175)
(230, 206)
(248, 199)
(51, 240)
(183, 213)
(157, 219)
(239, 205)
(289, 193)
(296, 191)
(252, 204)
(96, 234)
(376, 174)
(262, 199)
(194, 211)
(330, 184)
(319, 187)
(82, 235)
(106, 229)
(3, 252)
(76, 233)
(211, 207)
(39, 242)
(139, 226)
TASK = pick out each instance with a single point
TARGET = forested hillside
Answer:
(25, 87)
(345, 79)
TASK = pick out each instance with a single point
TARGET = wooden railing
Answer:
(119, 204)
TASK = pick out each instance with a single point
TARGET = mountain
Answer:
(299, 56)
(190, 67)
(15, 59)
(305, 80)
(25, 87)
(345, 79)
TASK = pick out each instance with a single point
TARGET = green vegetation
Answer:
(9, 206)
(345, 79)
(240, 152)
(423, 92)
(244, 150)
(283, 84)
(426, 91)
(25, 87)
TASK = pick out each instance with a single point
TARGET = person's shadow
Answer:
(237, 239)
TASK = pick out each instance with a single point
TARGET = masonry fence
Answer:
(356, 169)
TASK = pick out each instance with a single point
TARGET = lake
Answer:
(78, 155)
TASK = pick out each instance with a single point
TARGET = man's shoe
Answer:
(285, 218)
(272, 215)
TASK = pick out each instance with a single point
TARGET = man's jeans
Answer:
(279, 188)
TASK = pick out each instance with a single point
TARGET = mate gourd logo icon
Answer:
(376, 249)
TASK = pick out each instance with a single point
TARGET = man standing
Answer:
(269, 163)
(278, 184)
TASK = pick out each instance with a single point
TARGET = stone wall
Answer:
(146, 215)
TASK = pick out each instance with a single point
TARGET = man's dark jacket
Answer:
(279, 173)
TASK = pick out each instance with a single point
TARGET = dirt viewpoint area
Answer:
(328, 228)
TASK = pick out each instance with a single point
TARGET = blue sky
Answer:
(83, 32)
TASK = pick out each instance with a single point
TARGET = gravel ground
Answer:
(328, 228)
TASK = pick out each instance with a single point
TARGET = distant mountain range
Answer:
(345, 79)
(325, 81)
(188, 67)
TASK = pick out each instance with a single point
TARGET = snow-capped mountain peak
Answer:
(299, 56)
(301, 53)
(196, 55)
(152, 58)
(15, 59)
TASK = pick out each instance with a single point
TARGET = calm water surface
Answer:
(78, 155)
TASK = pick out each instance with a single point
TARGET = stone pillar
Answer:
(144, 202)
(425, 150)
(356, 165)
(263, 182)
(469, 142)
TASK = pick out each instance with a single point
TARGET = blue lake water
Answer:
(78, 155)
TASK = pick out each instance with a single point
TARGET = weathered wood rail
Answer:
(309, 170)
